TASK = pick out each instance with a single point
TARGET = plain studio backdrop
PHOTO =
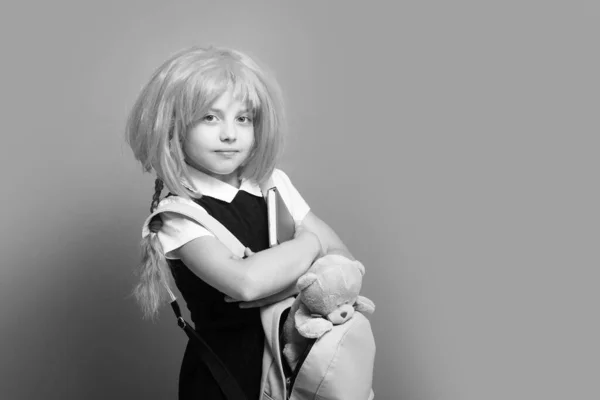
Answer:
(454, 147)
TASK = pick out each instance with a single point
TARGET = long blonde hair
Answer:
(175, 99)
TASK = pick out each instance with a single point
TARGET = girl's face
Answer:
(220, 143)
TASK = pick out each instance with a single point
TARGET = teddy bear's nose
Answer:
(344, 314)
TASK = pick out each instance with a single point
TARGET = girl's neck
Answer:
(232, 179)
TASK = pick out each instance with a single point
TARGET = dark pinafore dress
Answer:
(235, 335)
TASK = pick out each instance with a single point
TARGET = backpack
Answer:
(337, 366)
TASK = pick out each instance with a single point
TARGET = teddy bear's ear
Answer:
(360, 267)
(364, 305)
(306, 280)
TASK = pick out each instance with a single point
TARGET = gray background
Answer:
(453, 146)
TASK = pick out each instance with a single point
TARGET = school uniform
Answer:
(235, 334)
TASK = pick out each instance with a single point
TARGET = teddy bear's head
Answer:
(331, 286)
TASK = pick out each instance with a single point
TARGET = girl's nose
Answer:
(228, 133)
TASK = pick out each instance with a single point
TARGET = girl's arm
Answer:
(330, 241)
(291, 290)
(261, 275)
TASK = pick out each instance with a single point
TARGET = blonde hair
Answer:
(175, 99)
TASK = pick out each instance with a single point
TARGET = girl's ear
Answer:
(306, 280)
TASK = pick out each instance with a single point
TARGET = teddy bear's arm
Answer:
(309, 326)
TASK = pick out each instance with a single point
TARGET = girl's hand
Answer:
(302, 232)
(247, 253)
(341, 252)
(274, 298)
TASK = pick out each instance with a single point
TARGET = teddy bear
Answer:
(328, 296)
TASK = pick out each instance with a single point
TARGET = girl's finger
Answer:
(229, 299)
(248, 252)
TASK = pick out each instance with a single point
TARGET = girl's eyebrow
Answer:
(215, 110)
(244, 110)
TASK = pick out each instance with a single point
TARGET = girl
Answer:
(209, 124)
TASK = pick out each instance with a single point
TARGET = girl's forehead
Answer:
(230, 100)
(229, 97)
(231, 82)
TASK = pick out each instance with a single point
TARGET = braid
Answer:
(158, 187)
(150, 290)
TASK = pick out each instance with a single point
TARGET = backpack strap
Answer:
(190, 209)
(193, 211)
(229, 386)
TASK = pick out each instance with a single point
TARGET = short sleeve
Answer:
(296, 204)
(178, 230)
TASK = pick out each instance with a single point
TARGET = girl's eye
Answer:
(244, 120)
(209, 118)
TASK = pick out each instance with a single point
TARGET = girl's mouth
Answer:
(227, 153)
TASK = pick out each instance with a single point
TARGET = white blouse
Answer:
(178, 230)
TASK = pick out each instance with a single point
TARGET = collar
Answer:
(206, 185)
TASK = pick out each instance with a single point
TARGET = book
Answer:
(281, 223)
